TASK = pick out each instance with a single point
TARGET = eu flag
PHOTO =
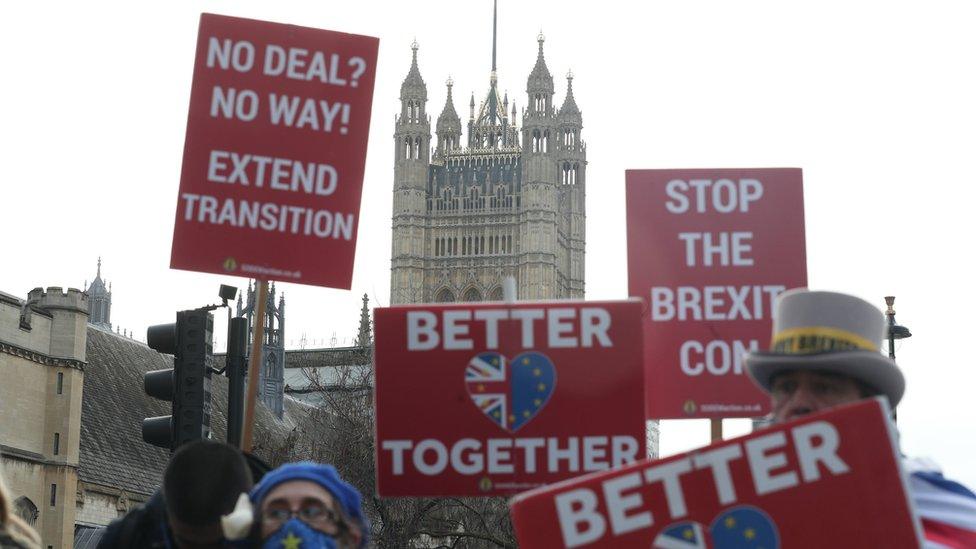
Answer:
(681, 535)
(744, 527)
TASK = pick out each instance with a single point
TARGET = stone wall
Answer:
(98, 505)
(42, 348)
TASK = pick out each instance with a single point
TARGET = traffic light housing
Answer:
(187, 384)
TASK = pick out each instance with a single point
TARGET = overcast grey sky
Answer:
(874, 100)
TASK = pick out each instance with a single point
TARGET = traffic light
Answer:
(187, 384)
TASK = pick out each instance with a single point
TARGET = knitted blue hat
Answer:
(325, 476)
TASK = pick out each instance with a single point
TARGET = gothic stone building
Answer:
(271, 380)
(509, 202)
(71, 408)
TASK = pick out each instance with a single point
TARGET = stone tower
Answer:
(412, 138)
(509, 203)
(43, 346)
(99, 301)
(271, 385)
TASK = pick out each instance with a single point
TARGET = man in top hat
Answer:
(825, 353)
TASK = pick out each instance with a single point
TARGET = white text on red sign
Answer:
(619, 506)
(565, 327)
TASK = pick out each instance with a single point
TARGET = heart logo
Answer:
(510, 393)
(742, 527)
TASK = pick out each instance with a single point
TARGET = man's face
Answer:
(798, 393)
(304, 499)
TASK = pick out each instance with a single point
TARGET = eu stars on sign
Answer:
(510, 393)
(827, 480)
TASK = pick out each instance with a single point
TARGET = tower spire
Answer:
(99, 273)
(364, 338)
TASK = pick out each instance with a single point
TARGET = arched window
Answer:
(406, 148)
(495, 294)
(472, 294)
(437, 247)
(25, 509)
(416, 148)
(445, 295)
(545, 141)
(272, 367)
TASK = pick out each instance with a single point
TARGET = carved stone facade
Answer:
(509, 203)
(271, 385)
(71, 448)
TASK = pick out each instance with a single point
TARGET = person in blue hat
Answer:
(307, 505)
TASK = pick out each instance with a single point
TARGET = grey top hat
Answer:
(828, 332)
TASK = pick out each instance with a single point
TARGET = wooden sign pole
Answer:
(716, 430)
(254, 368)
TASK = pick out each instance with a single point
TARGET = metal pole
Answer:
(236, 348)
(890, 313)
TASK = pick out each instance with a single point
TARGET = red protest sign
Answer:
(275, 152)
(491, 399)
(829, 480)
(708, 250)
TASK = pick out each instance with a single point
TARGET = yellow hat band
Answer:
(819, 339)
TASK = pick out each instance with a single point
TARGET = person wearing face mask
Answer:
(825, 353)
(307, 505)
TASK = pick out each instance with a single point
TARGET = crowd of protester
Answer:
(215, 496)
